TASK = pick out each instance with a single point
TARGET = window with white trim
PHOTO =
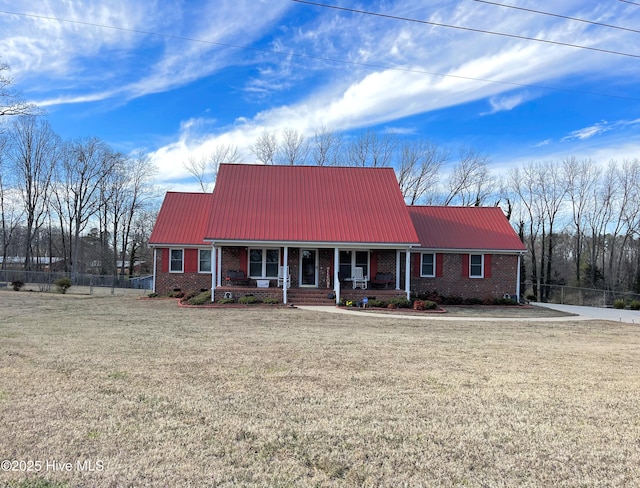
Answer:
(476, 265)
(204, 261)
(350, 259)
(263, 263)
(428, 265)
(176, 260)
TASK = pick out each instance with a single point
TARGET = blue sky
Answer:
(304, 67)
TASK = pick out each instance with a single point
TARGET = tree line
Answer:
(53, 191)
(579, 220)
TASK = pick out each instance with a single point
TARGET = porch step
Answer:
(298, 296)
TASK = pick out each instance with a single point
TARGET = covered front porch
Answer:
(309, 274)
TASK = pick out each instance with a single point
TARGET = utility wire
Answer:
(468, 29)
(322, 58)
(601, 24)
(627, 1)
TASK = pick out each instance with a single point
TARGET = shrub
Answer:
(17, 284)
(635, 305)
(430, 305)
(418, 305)
(373, 302)
(200, 299)
(271, 301)
(505, 301)
(153, 295)
(247, 300)
(225, 301)
(473, 301)
(452, 300)
(190, 295)
(62, 285)
(399, 302)
(531, 297)
(619, 303)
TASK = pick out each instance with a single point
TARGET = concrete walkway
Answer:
(581, 313)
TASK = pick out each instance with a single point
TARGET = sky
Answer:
(176, 79)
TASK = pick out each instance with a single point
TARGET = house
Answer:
(296, 232)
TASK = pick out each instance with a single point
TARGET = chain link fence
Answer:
(45, 280)
(591, 297)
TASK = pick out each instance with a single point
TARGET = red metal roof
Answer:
(482, 228)
(309, 204)
(182, 219)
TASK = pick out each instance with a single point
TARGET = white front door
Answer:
(308, 267)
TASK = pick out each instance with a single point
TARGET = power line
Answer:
(601, 24)
(627, 1)
(468, 29)
(322, 58)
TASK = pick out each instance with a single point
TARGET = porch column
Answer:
(285, 284)
(336, 279)
(397, 269)
(214, 271)
(518, 278)
(407, 274)
(218, 267)
(155, 269)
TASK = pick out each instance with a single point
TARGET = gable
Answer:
(464, 228)
(182, 219)
(309, 204)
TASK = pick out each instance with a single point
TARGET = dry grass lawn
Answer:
(152, 395)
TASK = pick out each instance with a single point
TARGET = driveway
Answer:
(578, 313)
(598, 313)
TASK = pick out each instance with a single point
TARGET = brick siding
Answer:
(503, 275)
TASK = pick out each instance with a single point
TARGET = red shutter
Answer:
(373, 265)
(165, 260)
(487, 265)
(416, 264)
(439, 265)
(465, 265)
(190, 260)
(243, 260)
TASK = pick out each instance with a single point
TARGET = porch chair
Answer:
(358, 279)
(284, 276)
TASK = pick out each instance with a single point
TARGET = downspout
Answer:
(336, 277)
(155, 268)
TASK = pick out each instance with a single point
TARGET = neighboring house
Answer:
(317, 228)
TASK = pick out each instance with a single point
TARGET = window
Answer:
(263, 263)
(204, 261)
(176, 261)
(476, 266)
(428, 267)
(349, 259)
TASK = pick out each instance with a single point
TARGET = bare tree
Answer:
(325, 147)
(266, 147)
(419, 171)
(205, 169)
(85, 164)
(470, 182)
(9, 211)
(33, 155)
(372, 150)
(582, 178)
(11, 102)
(294, 148)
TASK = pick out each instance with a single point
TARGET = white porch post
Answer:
(518, 278)
(285, 283)
(218, 267)
(407, 274)
(155, 269)
(397, 269)
(214, 271)
(336, 279)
